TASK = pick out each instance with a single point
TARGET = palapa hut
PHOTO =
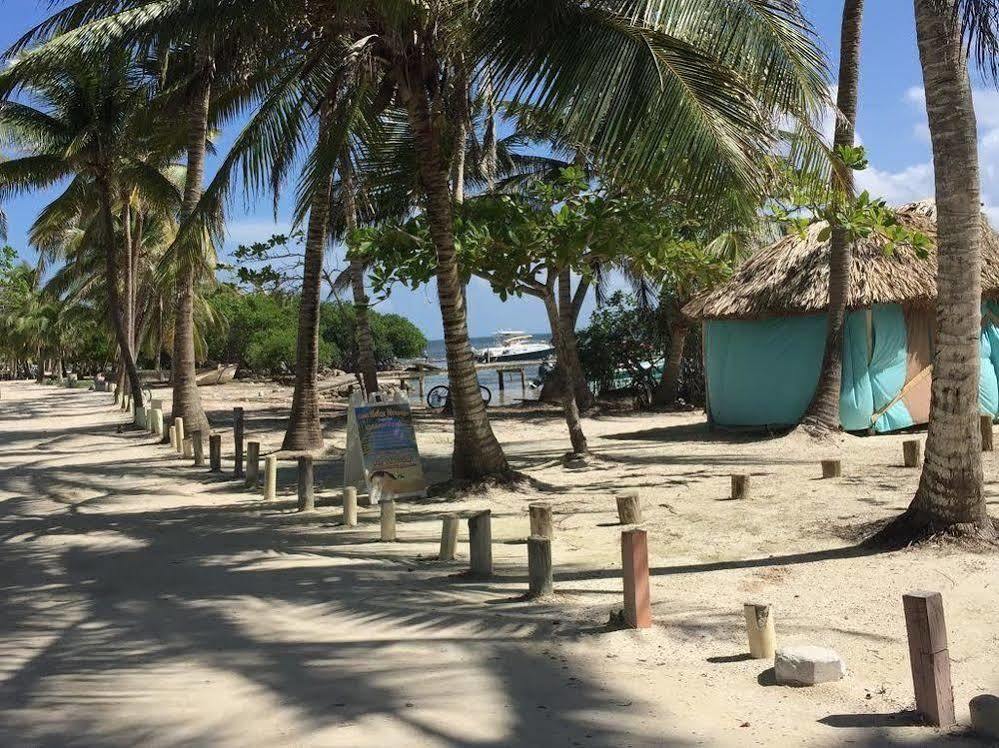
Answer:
(764, 332)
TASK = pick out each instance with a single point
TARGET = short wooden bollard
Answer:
(350, 506)
(173, 436)
(760, 628)
(151, 420)
(157, 422)
(449, 538)
(912, 453)
(178, 424)
(929, 657)
(542, 524)
(480, 544)
(237, 436)
(188, 452)
(252, 464)
(539, 566)
(740, 486)
(832, 469)
(629, 510)
(635, 568)
(387, 520)
(986, 426)
(306, 485)
(199, 449)
(215, 453)
(270, 477)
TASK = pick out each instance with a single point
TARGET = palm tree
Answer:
(950, 497)
(93, 127)
(822, 414)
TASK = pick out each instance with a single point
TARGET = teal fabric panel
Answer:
(888, 366)
(856, 398)
(988, 383)
(762, 372)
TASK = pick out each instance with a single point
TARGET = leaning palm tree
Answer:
(92, 126)
(950, 497)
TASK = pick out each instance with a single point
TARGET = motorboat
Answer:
(515, 345)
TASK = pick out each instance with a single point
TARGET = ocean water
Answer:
(512, 393)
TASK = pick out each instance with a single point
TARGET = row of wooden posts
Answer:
(926, 631)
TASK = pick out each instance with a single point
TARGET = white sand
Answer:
(145, 601)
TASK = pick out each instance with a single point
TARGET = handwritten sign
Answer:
(382, 450)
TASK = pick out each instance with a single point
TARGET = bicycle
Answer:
(439, 397)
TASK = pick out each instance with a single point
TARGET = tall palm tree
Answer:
(950, 496)
(822, 414)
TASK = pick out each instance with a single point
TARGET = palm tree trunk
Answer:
(669, 384)
(822, 415)
(305, 432)
(186, 398)
(477, 454)
(362, 324)
(114, 296)
(950, 496)
(568, 313)
(569, 405)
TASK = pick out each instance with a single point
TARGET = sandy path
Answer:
(143, 601)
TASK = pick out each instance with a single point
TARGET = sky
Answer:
(891, 125)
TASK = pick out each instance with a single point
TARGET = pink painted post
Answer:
(635, 564)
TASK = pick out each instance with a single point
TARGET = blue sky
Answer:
(891, 124)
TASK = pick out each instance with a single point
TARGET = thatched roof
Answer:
(792, 276)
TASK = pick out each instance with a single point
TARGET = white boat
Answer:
(514, 345)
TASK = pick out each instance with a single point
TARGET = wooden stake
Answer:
(986, 424)
(215, 453)
(173, 436)
(832, 469)
(350, 506)
(929, 657)
(270, 477)
(252, 464)
(188, 451)
(911, 453)
(635, 568)
(760, 628)
(629, 511)
(178, 424)
(480, 542)
(740, 486)
(539, 566)
(306, 485)
(449, 537)
(387, 520)
(541, 519)
(237, 435)
(199, 449)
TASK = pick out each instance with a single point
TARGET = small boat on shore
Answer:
(514, 345)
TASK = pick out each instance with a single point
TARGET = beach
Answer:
(149, 601)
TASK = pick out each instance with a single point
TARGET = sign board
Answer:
(381, 449)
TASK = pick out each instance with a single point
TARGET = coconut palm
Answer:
(950, 496)
(822, 415)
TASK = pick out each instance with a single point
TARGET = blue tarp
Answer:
(764, 372)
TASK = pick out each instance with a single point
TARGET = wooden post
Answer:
(928, 656)
(986, 424)
(387, 520)
(449, 537)
(270, 477)
(215, 453)
(499, 373)
(539, 566)
(635, 567)
(422, 377)
(199, 449)
(173, 436)
(178, 424)
(832, 469)
(740, 486)
(157, 423)
(911, 453)
(541, 519)
(350, 506)
(306, 485)
(523, 383)
(237, 435)
(188, 451)
(480, 543)
(760, 628)
(629, 511)
(252, 464)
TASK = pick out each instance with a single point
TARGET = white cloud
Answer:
(905, 186)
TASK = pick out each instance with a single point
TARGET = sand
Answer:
(143, 600)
